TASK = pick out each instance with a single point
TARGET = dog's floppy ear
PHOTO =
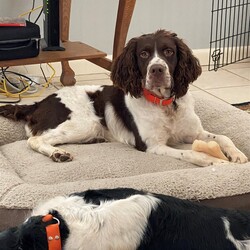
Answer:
(125, 72)
(33, 233)
(29, 235)
(187, 70)
(9, 239)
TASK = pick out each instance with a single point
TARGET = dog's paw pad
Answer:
(236, 156)
(59, 156)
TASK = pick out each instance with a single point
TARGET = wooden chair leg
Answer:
(124, 15)
(68, 75)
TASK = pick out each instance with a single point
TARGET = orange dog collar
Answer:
(156, 100)
(53, 233)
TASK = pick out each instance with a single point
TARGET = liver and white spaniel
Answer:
(148, 107)
(128, 219)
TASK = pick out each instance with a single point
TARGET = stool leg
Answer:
(124, 15)
(68, 75)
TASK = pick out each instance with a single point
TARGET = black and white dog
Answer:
(128, 219)
(149, 107)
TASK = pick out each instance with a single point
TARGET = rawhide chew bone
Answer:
(211, 148)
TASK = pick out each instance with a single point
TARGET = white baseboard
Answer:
(202, 55)
(79, 66)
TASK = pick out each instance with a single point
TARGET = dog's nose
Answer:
(157, 69)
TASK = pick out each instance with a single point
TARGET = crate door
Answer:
(230, 32)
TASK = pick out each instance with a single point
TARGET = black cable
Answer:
(16, 84)
(19, 97)
(32, 8)
(40, 13)
(18, 74)
(8, 80)
(44, 76)
(11, 102)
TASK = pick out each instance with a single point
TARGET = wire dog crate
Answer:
(230, 32)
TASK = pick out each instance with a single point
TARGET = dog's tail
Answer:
(17, 112)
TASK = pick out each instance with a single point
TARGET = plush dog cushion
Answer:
(28, 177)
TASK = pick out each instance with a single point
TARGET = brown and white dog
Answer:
(149, 106)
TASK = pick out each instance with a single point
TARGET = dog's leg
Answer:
(64, 134)
(197, 158)
(227, 146)
(40, 144)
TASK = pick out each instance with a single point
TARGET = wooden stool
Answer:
(124, 15)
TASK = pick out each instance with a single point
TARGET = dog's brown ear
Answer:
(187, 70)
(125, 73)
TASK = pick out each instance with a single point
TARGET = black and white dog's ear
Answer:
(125, 72)
(30, 235)
(9, 239)
(187, 70)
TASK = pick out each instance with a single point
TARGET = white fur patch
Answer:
(240, 245)
(113, 225)
(166, 84)
(158, 125)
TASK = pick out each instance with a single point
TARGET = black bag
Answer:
(19, 42)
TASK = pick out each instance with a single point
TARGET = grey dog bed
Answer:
(28, 177)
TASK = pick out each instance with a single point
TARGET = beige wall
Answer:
(93, 21)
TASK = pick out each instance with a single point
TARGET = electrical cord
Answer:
(11, 102)
(46, 84)
(26, 91)
(22, 83)
(44, 76)
(32, 8)
(27, 12)
(9, 94)
(40, 13)
(4, 71)
(27, 84)
(31, 11)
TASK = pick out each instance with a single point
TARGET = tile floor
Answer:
(230, 84)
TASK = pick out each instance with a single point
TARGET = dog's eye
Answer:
(168, 52)
(144, 54)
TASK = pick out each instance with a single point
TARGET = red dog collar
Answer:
(156, 100)
(53, 233)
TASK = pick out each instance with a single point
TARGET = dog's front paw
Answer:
(235, 155)
(61, 156)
